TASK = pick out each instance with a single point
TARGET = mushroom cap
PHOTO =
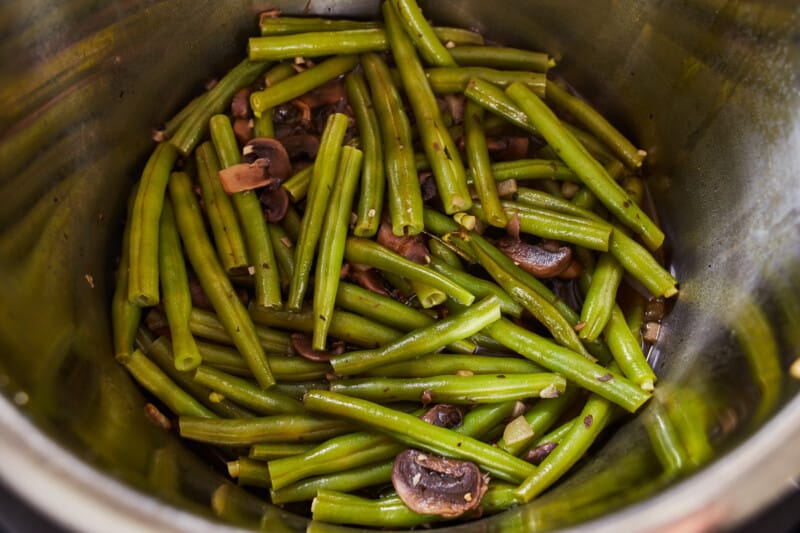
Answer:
(541, 260)
(444, 415)
(301, 342)
(435, 485)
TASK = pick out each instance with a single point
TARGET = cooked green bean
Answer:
(225, 228)
(502, 58)
(319, 193)
(366, 252)
(266, 451)
(195, 127)
(249, 472)
(404, 194)
(480, 166)
(175, 289)
(441, 364)
(339, 508)
(169, 128)
(588, 169)
(297, 185)
(346, 481)
(160, 352)
(284, 367)
(423, 340)
(453, 389)
(444, 254)
(144, 223)
(627, 350)
(220, 292)
(209, 326)
(251, 218)
(283, 246)
(665, 440)
(456, 79)
(420, 32)
(125, 316)
(574, 367)
(331, 244)
(276, 428)
(263, 126)
(348, 327)
(587, 116)
(162, 387)
(441, 150)
(373, 183)
(689, 413)
(543, 200)
(533, 169)
(296, 86)
(316, 44)
(283, 25)
(427, 296)
(246, 393)
(540, 418)
(415, 432)
(298, 389)
(458, 36)
(601, 297)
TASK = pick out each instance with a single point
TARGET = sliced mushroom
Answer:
(412, 247)
(536, 259)
(265, 163)
(243, 130)
(328, 93)
(245, 176)
(301, 342)
(444, 416)
(273, 151)
(366, 277)
(435, 485)
(539, 453)
(508, 148)
(454, 104)
(277, 203)
(304, 144)
(427, 185)
(240, 104)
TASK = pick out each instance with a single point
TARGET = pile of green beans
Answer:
(245, 333)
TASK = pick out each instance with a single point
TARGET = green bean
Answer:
(297, 185)
(441, 364)
(315, 44)
(335, 507)
(334, 455)
(415, 432)
(591, 234)
(152, 378)
(276, 428)
(502, 58)
(587, 116)
(263, 125)
(627, 351)
(219, 209)
(363, 251)
(249, 473)
(125, 316)
(427, 296)
(331, 244)
(601, 297)
(583, 432)
(298, 389)
(587, 168)
(348, 327)
(291, 221)
(540, 199)
(215, 284)
(540, 418)
(171, 126)
(347, 481)
(266, 451)
(160, 352)
(296, 86)
(482, 388)
(441, 150)
(410, 17)
(209, 326)
(246, 394)
(482, 419)
(283, 25)
(445, 255)
(144, 223)
(373, 183)
(319, 193)
(283, 247)
(688, 411)
(458, 36)
(251, 218)
(175, 290)
(574, 367)
(480, 166)
(423, 340)
(195, 127)
(284, 367)
(492, 98)
(456, 79)
(525, 296)
(665, 440)
(533, 169)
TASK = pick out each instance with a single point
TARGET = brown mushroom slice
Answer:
(427, 185)
(536, 259)
(331, 92)
(434, 485)
(240, 104)
(412, 247)
(243, 130)
(280, 168)
(539, 453)
(276, 202)
(245, 176)
(366, 277)
(508, 148)
(301, 342)
(444, 415)
(297, 145)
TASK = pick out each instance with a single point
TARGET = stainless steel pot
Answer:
(710, 88)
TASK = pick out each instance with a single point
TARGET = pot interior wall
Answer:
(708, 88)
